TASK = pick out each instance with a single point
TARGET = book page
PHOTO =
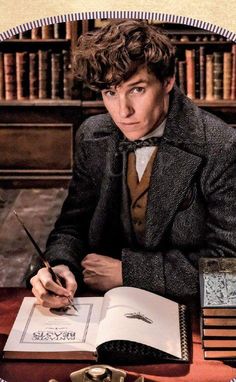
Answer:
(39, 329)
(136, 315)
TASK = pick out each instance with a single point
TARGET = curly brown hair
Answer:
(110, 55)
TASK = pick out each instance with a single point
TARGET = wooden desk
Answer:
(199, 370)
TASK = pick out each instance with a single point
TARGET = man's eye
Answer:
(137, 90)
(109, 93)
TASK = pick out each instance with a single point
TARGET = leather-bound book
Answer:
(25, 35)
(22, 75)
(33, 76)
(67, 75)
(182, 75)
(197, 73)
(36, 33)
(190, 72)
(227, 75)
(233, 81)
(217, 75)
(202, 72)
(47, 32)
(57, 76)
(68, 30)
(44, 74)
(59, 30)
(10, 75)
(209, 77)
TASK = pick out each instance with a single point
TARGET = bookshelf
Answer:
(41, 106)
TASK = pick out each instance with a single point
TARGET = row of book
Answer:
(218, 313)
(39, 75)
(47, 32)
(47, 75)
(208, 76)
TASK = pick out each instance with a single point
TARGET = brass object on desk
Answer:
(98, 373)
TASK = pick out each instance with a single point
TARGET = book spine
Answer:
(36, 33)
(190, 72)
(209, 332)
(217, 75)
(67, 80)
(57, 78)
(68, 30)
(211, 354)
(209, 77)
(47, 32)
(33, 76)
(22, 75)
(233, 81)
(197, 73)
(2, 85)
(182, 75)
(219, 343)
(25, 35)
(202, 69)
(10, 75)
(59, 31)
(219, 312)
(219, 321)
(44, 74)
(227, 75)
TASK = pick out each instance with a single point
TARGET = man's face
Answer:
(138, 105)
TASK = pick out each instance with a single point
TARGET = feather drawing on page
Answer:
(139, 316)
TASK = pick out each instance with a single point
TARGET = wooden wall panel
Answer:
(36, 147)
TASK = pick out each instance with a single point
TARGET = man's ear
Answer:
(169, 83)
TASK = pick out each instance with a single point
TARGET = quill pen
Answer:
(43, 258)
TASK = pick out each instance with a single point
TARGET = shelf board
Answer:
(37, 41)
(202, 42)
(99, 103)
(42, 102)
(215, 103)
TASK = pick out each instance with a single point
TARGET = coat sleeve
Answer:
(68, 242)
(174, 272)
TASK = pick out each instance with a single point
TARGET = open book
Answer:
(127, 325)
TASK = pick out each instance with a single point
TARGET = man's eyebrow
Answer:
(138, 82)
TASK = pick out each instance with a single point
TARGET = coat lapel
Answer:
(107, 213)
(172, 174)
(179, 157)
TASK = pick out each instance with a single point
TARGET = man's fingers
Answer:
(90, 259)
(68, 277)
(49, 300)
(46, 279)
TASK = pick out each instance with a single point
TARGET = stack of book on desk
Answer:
(218, 307)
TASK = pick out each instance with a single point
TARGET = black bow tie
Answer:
(134, 145)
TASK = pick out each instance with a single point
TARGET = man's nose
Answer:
(125, 107)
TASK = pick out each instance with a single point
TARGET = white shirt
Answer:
(144, 153)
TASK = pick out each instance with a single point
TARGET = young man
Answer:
(141, 216)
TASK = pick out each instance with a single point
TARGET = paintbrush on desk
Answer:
(43, 258)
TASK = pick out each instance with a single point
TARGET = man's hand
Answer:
(50, 294)
(102, 272)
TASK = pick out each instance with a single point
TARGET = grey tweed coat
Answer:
(191, 202)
